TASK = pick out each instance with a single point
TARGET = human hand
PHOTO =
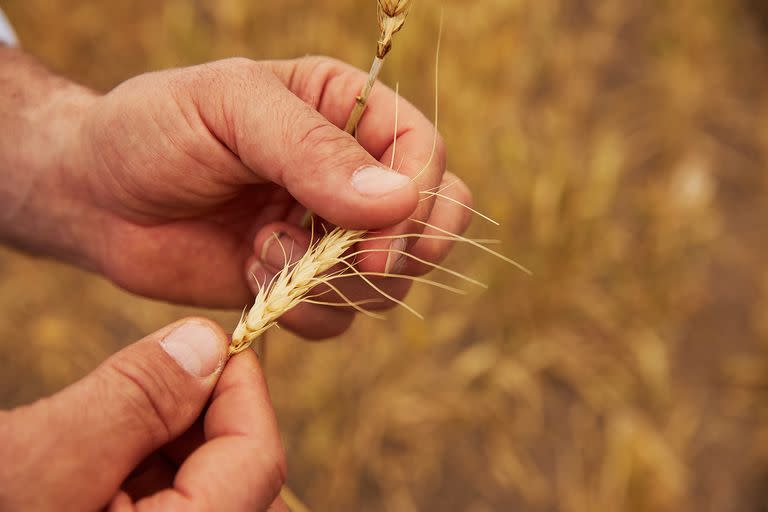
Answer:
(181, 179)
(162, 425)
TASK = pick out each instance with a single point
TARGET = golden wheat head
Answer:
(392, 15)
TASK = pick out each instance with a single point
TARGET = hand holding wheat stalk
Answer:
(333, 256)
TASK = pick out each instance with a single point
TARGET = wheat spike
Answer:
(292, 285)
(392, 15)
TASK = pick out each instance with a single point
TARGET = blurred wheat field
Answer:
(623, 147)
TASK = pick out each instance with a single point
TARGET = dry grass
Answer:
(623, 148)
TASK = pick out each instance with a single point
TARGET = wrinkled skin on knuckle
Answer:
(326, 63)
(315, 134)
(234, 69)
(322, 145)
(159, 109)
(150, 400)
(317, 64)
(330, 68)
(215, 78)
(311, 74)
(217, 90)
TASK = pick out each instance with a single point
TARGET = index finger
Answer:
(241, 466)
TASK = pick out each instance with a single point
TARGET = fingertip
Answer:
(198, 345)
(242, 465)
(375, 181)
(386, 196)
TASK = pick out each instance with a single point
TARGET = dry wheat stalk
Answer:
(392, 15)
(293, 284)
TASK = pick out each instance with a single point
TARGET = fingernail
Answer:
(258, 276)
(195, 347)
(395, 260)
(279, 250)
(377, 181)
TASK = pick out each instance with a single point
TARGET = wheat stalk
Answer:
(293, 284)
(391, 15)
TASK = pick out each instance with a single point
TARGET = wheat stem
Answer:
(362, 99)
(392, 15)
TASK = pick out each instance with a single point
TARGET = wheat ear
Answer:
(292, 285)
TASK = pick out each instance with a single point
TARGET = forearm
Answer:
(42, 208)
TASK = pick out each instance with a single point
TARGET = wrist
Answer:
(47, 209)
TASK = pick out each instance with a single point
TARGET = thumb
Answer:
(103, 426)
(284, 140)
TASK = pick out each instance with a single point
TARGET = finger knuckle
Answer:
(317, 134)
(242, 67)
(148, 397)
(325, 68)
(310, 76)
(221, 74)
(322, 63)
(322, 147)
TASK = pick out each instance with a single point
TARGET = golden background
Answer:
(623, 147)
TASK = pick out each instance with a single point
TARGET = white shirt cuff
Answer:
(7, 35)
